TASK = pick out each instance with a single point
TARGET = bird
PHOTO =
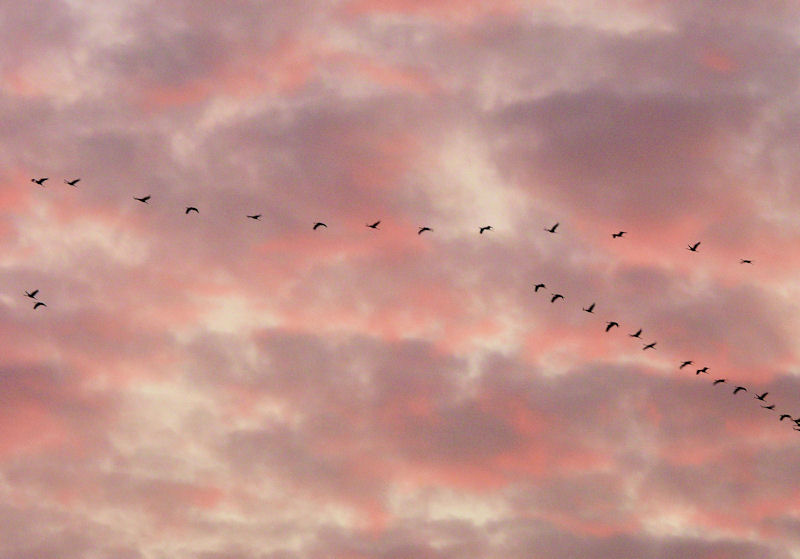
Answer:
(590, 308)
(485, 228)
(40, 182)
(191, 208)
(761, 397)
(610, 324)
(32, 294)
(703, 370)
(649, 346)
(73, 182)
(769, 407)
(620, 234)
(551, 229)
(423, 229)
(255, 216)
(719, 380)
(637, 334)
(319, 224)
(685, 363)
(143, 199)
(693, 247)
(745, 261)
(374, 225)
(556, 296)
(785, 415)
(538, 286)
(38, 304)
(738, 389)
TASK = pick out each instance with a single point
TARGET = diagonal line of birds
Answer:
(554, 297)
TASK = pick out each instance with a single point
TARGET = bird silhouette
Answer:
(784, 416)
(610, 324)
(739, 389)
(374, 225)
(191, 209)
(556, 296)
(73, 182)
(693, 247)
(649, 346)
(590, 308)
(485, 228)
(423, 229)
(718, 381)
(551, 229)
(32, 294)
(40, 182)
(769, 407)
(745, 261)
(143, 199)
(538, 286)
(637, 334)
(255, 216)
(761, 397)
(319, 224)
(703, 370)
(685, 363)
(616, 235)
(38, 304)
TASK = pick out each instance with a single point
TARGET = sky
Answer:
(210, 386)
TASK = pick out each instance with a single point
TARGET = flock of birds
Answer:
(693, 247)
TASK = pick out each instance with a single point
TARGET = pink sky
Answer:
(208, 386)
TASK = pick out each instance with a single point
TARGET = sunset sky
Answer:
(208, 386)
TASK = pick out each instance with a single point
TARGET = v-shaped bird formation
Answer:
(609, 324)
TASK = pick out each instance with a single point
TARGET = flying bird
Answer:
(610, 324)
(590, 308)
(190, 209)
(143, 199)
(739, 388)
(693, 247)
(719, 380)
(620, 234)
(761, 397)
(538, 286)
(255, 216)
(423, 229)
(745, 261)
(649, 346)
(319, 224)
(374, 225)
(552, 229)
(703, 370)
(73, 182)
(637, 334)
(40, 182)
(32, 294)
(486, 228)
(685, 363)
(38, 304)
(769, 407)
(785, 415)
(556, 296)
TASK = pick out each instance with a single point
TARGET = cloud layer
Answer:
(208, 386)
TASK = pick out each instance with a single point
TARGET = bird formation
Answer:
(610, 324)
(32, 295)
(693, 247)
